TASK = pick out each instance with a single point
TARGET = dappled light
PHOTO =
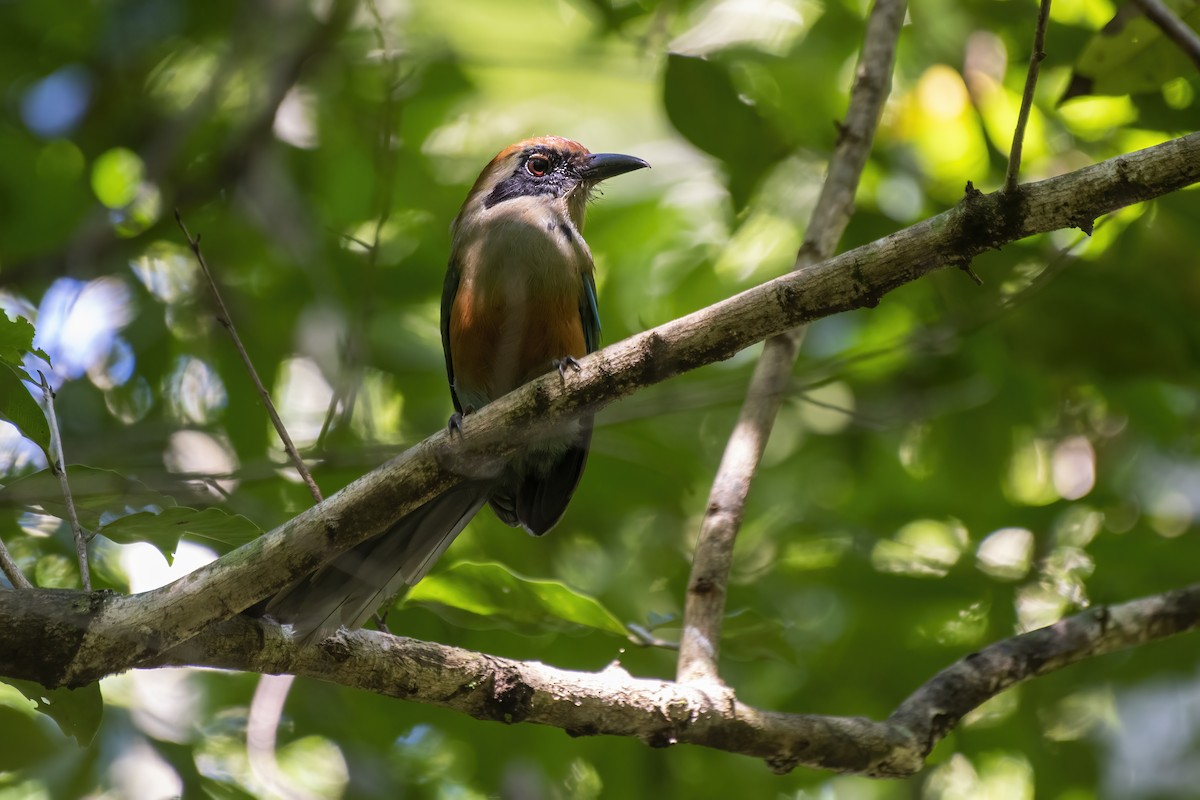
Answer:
(1006, 554)
(205, 461)
(78, 325)
(194, 392)
(922, 548)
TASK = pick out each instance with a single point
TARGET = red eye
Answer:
(537, 166)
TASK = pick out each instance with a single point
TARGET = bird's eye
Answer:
(537, 166)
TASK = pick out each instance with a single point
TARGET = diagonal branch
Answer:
(704, 607)
(1175, 29)
(612, 702)
(58, 466)
(120, 631)
(11, 571)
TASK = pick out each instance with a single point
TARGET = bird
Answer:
(518, 301)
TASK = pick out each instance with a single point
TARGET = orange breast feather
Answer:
(500, 340)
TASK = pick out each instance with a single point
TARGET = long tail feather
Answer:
(349, 589)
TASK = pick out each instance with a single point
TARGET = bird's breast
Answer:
(516, 309)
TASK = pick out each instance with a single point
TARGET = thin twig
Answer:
(354, 347)
(1035, 61)
(58, 466)
(705, 605)
(227, 321)
(1175, 29)
(11, 571)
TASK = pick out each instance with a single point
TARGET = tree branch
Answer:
(611, 702)
(58, 466)
(699, 644)
(11, 571)
(112, 632)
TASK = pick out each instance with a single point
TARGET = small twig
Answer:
(1175, 29)
(966, 267)
(704, 609)
(345, 395)
(1035, 61)
(643, 637)
(227, 322)
(58, 466)
(11, 571)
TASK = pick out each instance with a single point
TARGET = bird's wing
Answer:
(449, 291)
(589, 312)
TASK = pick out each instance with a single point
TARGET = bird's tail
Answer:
(349, 589)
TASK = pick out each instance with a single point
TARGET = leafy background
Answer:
(957, 464)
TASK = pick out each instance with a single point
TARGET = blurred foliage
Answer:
(1131, 55)
(955, 465)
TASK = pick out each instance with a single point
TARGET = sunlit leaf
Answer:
(18, 407)
(1131, 55)
(16, 338)
(489, 595)
(100, 495)
(163, 529)
(77, 711)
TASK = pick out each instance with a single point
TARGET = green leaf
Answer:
(16, 339)
(77, 711)
(18, 406)
(126, 510)
(22, 741)
(1131, 55)
(100, 495)
(489, 595)
(163, 529)
(706, 107)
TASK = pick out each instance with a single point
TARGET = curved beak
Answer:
(600, 166)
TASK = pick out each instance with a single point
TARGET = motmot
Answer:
(519, 300)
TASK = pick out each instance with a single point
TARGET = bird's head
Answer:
(547, 167)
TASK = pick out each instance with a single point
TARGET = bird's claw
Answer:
(455, 423)
(561, 364)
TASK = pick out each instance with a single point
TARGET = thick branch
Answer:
(611, 702)
(128, 630)
(704, 609)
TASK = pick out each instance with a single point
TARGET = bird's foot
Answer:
(454, 424)
(562, 364)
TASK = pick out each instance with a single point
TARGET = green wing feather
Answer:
(449, 292)
(589, 313)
